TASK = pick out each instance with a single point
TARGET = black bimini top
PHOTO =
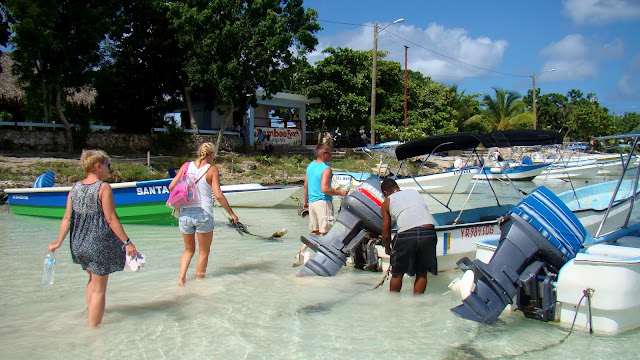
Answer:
(467, 140)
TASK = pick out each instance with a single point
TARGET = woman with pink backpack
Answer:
(196, 216)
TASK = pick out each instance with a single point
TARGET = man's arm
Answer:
(386, 226)
(325, 185)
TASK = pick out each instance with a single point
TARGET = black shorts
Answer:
(414, 252)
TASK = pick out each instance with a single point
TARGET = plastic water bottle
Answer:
(47, 273)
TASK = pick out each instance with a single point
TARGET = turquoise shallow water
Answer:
(252, 306)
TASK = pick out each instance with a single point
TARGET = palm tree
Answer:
(466, 109)
(500, 110)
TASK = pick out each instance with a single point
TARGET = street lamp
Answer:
(374, 75)
(535, 112)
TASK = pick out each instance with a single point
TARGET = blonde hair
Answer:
(90, 158)
(320, 148)
(204, 151)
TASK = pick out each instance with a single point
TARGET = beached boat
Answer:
(459, 229)
(508, 170)
(453, 181)
(140, 202)
(547, 265)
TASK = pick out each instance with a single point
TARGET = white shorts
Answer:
(321, 216)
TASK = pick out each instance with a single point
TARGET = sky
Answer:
(593, 45)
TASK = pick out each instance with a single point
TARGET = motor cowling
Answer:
(359, 218)
(538, 236)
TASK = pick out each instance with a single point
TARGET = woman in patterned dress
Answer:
(98, 241)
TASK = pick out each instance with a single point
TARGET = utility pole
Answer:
(374, 75)
(405, 86)
(535, 112)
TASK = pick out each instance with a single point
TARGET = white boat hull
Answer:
(612, 272)
(586, 172)
(456, 182)
(520, 173)
(256, 195)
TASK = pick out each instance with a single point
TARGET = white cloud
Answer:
(576, 58)
(431, 50)
(600, 12)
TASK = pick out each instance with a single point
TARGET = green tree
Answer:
(467, 109)
(587, 120)
(342, 81)
(57, 46)
(630, 122)
(552, 112)
(500, 110)
(234, 47)
(139, 81)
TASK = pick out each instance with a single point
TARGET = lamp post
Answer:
(535, 112)
(374, 75)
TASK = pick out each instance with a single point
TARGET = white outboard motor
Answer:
(538, 236)
(358, 218)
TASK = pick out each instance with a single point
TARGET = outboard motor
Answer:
(359, 215)
(538, 236)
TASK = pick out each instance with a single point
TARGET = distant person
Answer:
(260, 138)
(458, 163)
(197, 215)
(240, 130)
(413, 249)
(98, 241)
(318, 196)
(267, 146)
(497, 156)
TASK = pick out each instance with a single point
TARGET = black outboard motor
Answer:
(360, 214)
(538, 236)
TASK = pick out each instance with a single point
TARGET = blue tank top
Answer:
(314, 181)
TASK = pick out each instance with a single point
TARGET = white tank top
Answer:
(202, 191)
(408, 209)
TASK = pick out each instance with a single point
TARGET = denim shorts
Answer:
(195, 220)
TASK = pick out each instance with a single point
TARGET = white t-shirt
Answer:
(408, 209)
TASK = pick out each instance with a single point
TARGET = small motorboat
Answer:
(141, 202)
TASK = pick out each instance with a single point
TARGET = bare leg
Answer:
(204, 247)
(185, 260)
(89, 291)
(304, 246)
(395, 284)
(98, 286)
(420, 284)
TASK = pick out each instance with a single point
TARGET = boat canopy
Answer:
(467, 140)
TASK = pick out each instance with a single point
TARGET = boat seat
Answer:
(613, 251)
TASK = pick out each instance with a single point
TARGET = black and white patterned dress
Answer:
(93, 244)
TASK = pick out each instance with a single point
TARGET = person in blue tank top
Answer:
(318, 196)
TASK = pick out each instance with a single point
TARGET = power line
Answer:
(432, 51)
(456, 60)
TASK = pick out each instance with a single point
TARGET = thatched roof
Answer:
(10, 89)
(9, 83)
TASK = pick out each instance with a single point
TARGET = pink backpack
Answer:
(182, 193)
